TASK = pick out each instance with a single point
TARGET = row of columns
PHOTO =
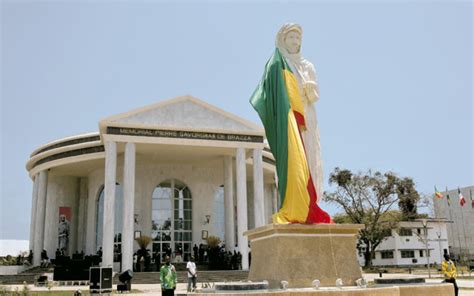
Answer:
(129, 197)
(40, 191)
(241, 194)
(109, 204)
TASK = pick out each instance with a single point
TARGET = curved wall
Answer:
(80, 193)
(62, 191)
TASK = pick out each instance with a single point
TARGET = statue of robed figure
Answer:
(284, 100)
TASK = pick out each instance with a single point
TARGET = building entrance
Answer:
(172, 221)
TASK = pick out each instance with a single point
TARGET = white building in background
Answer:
(406, 245)
(461, 230)
(177, 171)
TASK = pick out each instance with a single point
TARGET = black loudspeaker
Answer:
(124, 287)
(100, 280)
(126, 276)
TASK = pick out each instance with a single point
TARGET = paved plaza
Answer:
(466, 285)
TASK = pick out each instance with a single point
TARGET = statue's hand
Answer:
(310, 91)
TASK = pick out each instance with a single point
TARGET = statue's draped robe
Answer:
(305, 73)
(280, 105)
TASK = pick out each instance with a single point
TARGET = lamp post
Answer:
(424, 222)
(438, 234)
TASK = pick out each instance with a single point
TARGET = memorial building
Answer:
(178, 171)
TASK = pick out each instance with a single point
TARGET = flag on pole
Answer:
(437, 193)
(447, 197)
(472, 200)
(462, 200)
(278, 102)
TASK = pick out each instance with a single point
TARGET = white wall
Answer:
(202, 180)
(397, 243)
(95, 183)
(82, 214)
(62, 191)
(461, 232)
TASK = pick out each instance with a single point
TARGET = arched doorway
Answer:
(172, 219)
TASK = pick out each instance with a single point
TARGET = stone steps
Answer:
(203, 276)
(139, 277)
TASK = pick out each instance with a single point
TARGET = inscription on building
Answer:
(183, 134)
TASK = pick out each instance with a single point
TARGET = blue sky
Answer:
(395, 77)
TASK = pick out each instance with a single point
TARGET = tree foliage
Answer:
(408, 198)
(366, 199)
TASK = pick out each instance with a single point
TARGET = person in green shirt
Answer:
(168, 278)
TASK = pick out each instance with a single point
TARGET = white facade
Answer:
(406, 245)
(184, 141)
(461, 230)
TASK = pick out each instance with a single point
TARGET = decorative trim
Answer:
(159, 133)
(68, 143)
(269, 160)
(71, 153)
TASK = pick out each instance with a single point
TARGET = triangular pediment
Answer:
(186, 113)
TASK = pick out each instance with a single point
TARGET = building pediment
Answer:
(182, 113)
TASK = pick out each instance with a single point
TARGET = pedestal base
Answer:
(405, 290)
(300, 254)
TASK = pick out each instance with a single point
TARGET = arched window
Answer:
(118, 221)
(172, 219)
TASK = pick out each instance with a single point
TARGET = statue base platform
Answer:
(300, 254)
(401, 290)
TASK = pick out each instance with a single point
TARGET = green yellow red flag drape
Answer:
(278, 103)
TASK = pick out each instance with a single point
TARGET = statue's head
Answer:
(288, 39)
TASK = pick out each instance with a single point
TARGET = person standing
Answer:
(449, 271)
(168, 278)
(192, 274)
(196, 254)
(135, 261)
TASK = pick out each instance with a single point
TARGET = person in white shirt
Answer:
(192, 274)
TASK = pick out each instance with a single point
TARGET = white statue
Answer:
(63, 234)
(288, 41)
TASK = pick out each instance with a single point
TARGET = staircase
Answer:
(203, 276)
(28, 276)
(138, 277)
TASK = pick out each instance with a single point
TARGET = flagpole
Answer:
(452, 222)
(457, 228)
(463, 230)
(448, 200)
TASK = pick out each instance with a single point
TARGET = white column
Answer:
(34, 200)
(39, 219)
(82, 217)
(109, 204)
(229, 204)
(128, 206)
(275, 199)
(258, 204)
(242, 226)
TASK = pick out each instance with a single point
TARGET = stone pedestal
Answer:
(299, 254)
